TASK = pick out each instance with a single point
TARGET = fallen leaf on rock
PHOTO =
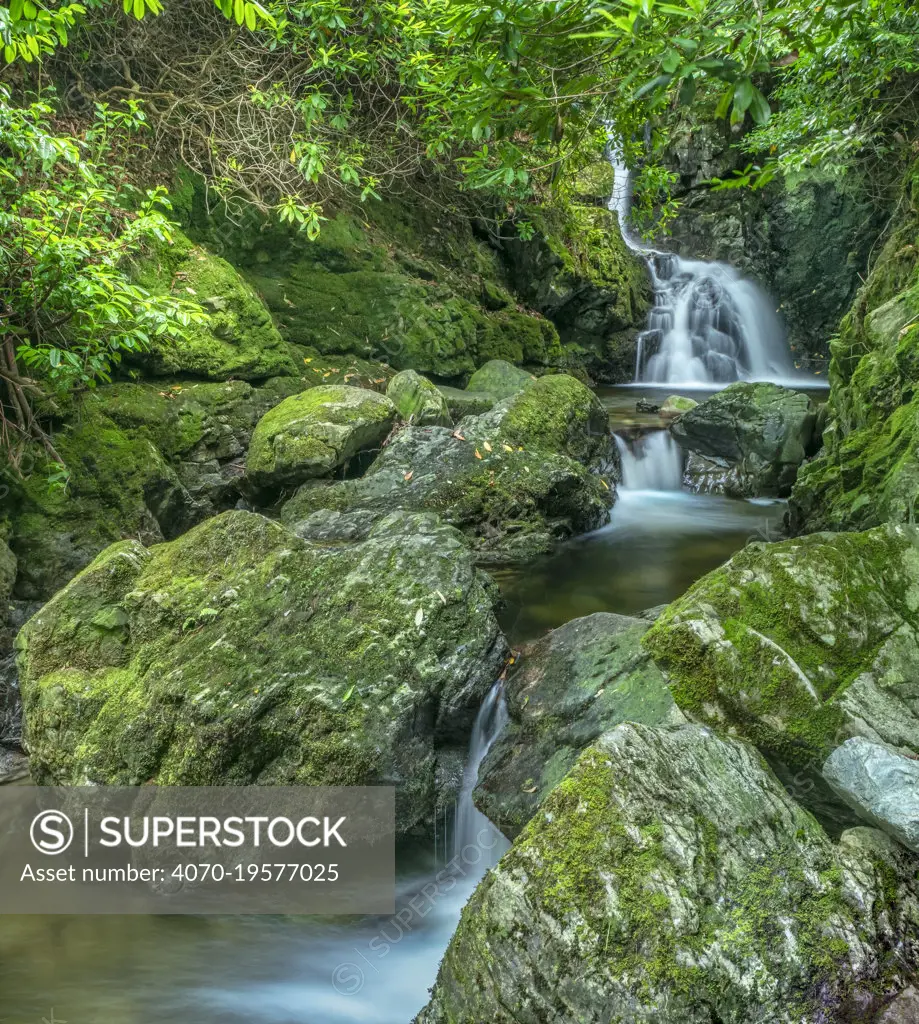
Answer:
(419, 616)
(409, 475)
(478, 454)
(487, 446)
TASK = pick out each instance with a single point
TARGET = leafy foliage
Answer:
(69, 221)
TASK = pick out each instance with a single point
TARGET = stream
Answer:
(707, 327)
(154, 970)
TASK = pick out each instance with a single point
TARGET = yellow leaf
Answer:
(409, 475)
(507, 447)
(605, 484)
(308, 359)
(487, 446)
(478, 454)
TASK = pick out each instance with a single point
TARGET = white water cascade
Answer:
(652, 463)
(709, 325)
(472, 828)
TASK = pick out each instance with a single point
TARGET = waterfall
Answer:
(471, 825)
(708, 324)
(652, 463)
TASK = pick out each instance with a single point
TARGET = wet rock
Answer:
(499, 378)
(316, 432)
(802, 644)
(418, 400)
(645, 405)
(671, 878)
(241, 654)
(758, 434)
(904, 1009)
(880, 784)
(675, 406)
(567, 688)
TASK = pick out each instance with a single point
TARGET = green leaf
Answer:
(250, 17)
(656, 83)
(671, 61)
(688, 91)
(724, 104)
(743, 95)
(15, 9)
(138, 9)
(759, 107)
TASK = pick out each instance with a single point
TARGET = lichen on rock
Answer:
(670, 877)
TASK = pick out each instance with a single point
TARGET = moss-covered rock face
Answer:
(567, 688)
(578, 272)
(675, 406)
(868, 471)
(418, 401)
(802, 644)
(312, 434)
(499, 378)
(145, 461)
(747, 440)
(7, 577)
(670, 877)
(239, 338)
(240, 654)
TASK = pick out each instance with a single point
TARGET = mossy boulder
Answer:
(144, 461)
(578, 272)
(239, 338)
(565, 689)
(510, 502)
(418, 400)
(555, 413)
(868, 469)
(671, 877)
(240, 654)
(747, 440)
(499, 378)
(314, 433)
(800, 645)
(675, 406)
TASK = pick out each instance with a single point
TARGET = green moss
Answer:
(239, 338)
(770, 643)
(418, 400)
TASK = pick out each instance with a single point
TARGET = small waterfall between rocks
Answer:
(654, 462)
(472, 828)
(709, 325)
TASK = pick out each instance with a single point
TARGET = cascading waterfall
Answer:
(708, 325)
(652, 463)
(472, 828)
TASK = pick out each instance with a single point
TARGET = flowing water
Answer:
(708, 325)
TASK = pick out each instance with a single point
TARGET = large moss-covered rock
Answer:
(510, 503)
(499, 378)
(565, 690)
(239, 338)
(800, 645)
(314, 433)
(557, 414)
(467, 403)
(868, 470)
(747, 440)
(240, 654)
(418, 401)
(671, 878)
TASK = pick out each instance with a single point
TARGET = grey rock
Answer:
(567, 688)
(751, 439)
(880, 784)
(418, 400)
(671, 879)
